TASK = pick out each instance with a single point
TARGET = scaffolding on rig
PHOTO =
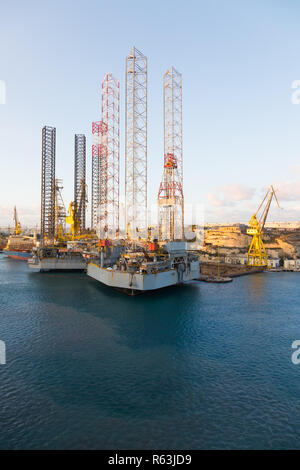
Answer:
(170, 194)
(48, 186)
(80, 192)
(109, 161)
(136, 144)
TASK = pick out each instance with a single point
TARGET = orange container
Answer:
(151, 246)
(103, 242)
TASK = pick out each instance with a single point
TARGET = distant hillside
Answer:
(233, 240)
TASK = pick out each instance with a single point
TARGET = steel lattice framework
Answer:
(110, 159)
(96, 142)
(170, 195)
(80, 195)
(136, 143)
(48, 185)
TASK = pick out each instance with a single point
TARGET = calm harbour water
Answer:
(201, 366)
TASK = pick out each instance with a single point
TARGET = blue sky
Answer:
(238, 60)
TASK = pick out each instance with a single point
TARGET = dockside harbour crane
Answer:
(257, 255)
(18, 230)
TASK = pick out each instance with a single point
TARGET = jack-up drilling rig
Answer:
(170, 194)
(257, 255)
(142, 262)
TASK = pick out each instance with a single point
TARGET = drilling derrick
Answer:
(136, 144)
(170, 194)
(109, 161)
(80, 195)
(96, 137)
(48, 185)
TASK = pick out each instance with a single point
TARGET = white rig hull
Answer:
(141, 282)
(53, 264)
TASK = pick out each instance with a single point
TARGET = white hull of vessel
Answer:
(53, 264)
(141, 281)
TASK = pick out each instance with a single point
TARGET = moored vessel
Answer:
(19, 246)
(56, 259)
(137, 270)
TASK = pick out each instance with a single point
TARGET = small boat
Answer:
(218, 279)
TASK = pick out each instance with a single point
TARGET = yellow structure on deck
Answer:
(257, 255)
(60, 213)
(74, 214)
(73, 221)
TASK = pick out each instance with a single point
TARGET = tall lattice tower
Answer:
(48, 186)
(80, 196)
(96, 142)
(136, 144)
(110, 159)
(170, 194)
